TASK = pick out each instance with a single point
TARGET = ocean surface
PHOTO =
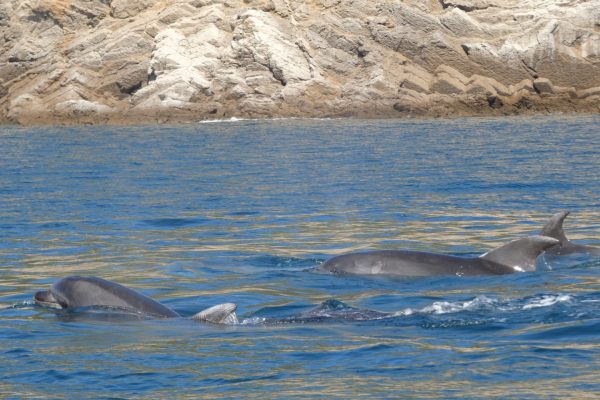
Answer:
(241, 211)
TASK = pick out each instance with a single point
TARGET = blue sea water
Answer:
(240, 211)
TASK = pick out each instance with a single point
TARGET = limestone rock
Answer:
(175, 60)
(81, 107)
(525, 84)
(462, 24)
(445, 84)
(416, 80)
(480, 85)
(449, 81)
(595, 91)
(127, 9)
(543, 86)
(261, 38)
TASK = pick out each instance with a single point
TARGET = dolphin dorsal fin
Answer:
(219, 314)
(520, 254)
(554, 227)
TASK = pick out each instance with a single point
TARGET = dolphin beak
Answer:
(45, 298)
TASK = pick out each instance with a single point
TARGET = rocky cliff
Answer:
(80, 61)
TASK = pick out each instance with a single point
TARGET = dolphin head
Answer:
(45, 298)
(74, 292)
(57, 296)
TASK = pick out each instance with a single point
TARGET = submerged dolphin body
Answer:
(518, 255)
(554, 229)
(87, 291)
(335, 310)
(329, 310)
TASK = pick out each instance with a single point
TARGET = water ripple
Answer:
(242, 211)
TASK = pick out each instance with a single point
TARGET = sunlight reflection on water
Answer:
(240, 211)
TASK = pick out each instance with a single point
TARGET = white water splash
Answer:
(253, 321)
(402, 313)
(546, 301)
(217, 121)
(22, 304)
(445, 307)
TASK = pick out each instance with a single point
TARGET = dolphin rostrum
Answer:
(554, 229)
(518, 255)
(75, 292)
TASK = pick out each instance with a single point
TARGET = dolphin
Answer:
(75, 292)
(333, 309)
(518, 255)
(329, 310)
(554, 229)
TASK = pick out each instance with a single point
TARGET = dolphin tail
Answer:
(219, 314)
(554, 227)
(520, 254)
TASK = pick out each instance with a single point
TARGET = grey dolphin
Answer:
(75, 292)
(518, 255)
(333, 309)
(554, 229)
(329, 310)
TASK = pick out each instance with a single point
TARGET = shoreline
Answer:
(444, 109)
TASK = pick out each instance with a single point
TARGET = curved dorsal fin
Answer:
(520, 254)
(219, 314)
(554, 227)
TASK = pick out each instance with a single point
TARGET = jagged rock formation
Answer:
(79, 61)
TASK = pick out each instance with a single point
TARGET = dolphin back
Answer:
(79, 291)
(409, 263)
(520, 254)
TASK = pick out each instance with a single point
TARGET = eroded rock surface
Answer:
(98, 61)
